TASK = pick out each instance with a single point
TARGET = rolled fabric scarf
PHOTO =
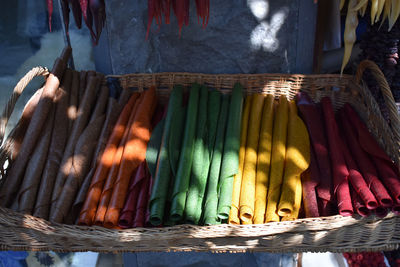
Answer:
(312, 116)
(230, 157)
(237, 181)
(199, 170)
(83, 78)
(56, 150)
(139, 219)
(278, 155)
(16, 136)
(16, 172)
(182, 179)
(388, 171)
(28, 191)
(79, 125)
(356, 179)
(358, 204)
(296, 206)
(113, 174)
(165, 164)
(296, 162)
(339, 167)
(134, 154)
(128, 212)
(248, 187)
(80, 166)
(211, 203)
(310, 180)
(365, 164)
(114, 109)
(89, 208)
(264, 159)
(73, 100)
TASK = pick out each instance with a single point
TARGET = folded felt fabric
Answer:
(296, 206)
(89, 208)
(211, 203)
(356, 179)
(82, 86)
(80, 166)
(309, 180)
(278, 155)
(16, 136)
(114, 109)
(237, 181)
(297, 160)
(73, 100)
(388, 171)
(166, 163)
(113, 174)
(248, 187)
(230, 156)
(264, 159)
(199, 172)
(16, 172)
(182, 178)
(339, 167)
(128, 211)
(56, 150)
(358, 204)
(134, 154)
(139, 219)
(28, 191)
(312, 116)
(364, 163)
(84, 112)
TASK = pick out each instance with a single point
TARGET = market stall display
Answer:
(118, 170)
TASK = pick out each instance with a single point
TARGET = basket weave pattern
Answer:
(334, 233)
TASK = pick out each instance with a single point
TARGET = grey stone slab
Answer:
(253, 36)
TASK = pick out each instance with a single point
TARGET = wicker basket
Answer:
(335, 233)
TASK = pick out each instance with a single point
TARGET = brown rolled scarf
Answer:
(16, 173)
(73, 100)
(82, 157)
(28, 191)
(84, 113)
(58, 140)
(114, 109)
(82, 86)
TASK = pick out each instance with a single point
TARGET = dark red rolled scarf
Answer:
(128, 211)
(388, 171)
(312, 116)
(364, 162)
(310, 179)
(143, 199)
(356, 179)
(339, 168)
(358, 204)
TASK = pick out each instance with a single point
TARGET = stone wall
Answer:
(243, 36)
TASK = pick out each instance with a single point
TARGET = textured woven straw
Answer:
(335, 233)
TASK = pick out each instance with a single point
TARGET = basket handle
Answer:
(18, 89)
(386, 92)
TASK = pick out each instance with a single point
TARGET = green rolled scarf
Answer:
(211, 203)
(230, 157)
(182, 178)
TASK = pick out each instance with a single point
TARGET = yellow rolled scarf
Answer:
(237, 180)
(247, 191)
(264, 160)
(277, 159)
(297, 161)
